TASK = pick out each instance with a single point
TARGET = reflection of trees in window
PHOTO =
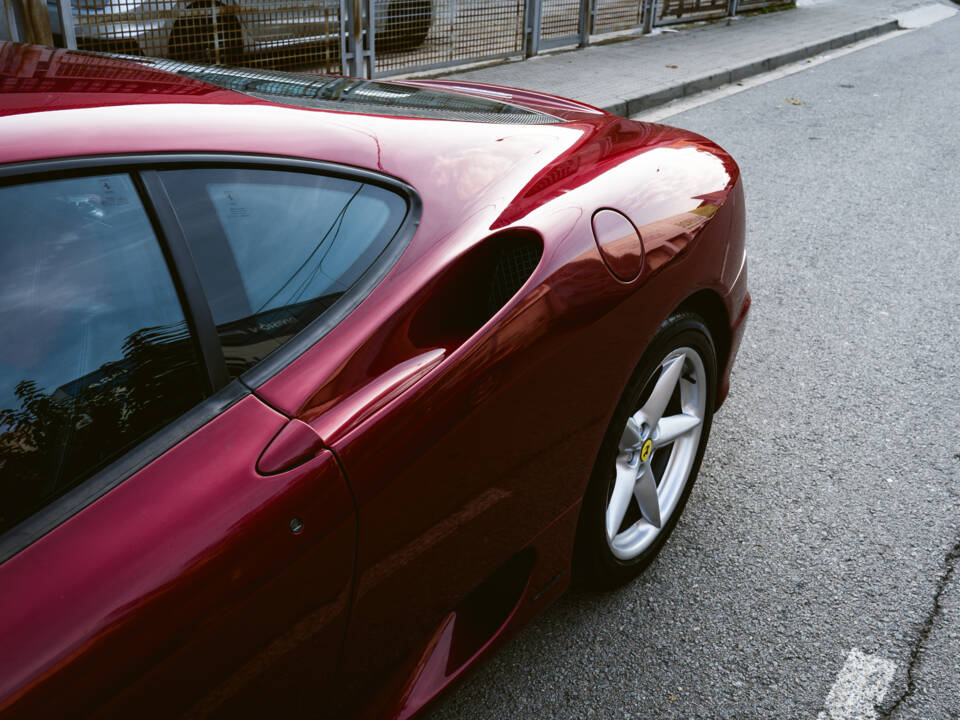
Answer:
(54, 440)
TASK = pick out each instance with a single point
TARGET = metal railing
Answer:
(420, 34)
(366, 38)
(614, 15)
(677, 11)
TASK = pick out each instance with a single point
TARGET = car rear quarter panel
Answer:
(461, 453)
(673, 185)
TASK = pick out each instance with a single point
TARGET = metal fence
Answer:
(676, 11)
(369, 38)
(420, 34)
(747, 5)
(560, 23)
(614, 15)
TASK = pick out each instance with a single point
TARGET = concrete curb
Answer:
(631, 106)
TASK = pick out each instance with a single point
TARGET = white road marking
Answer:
(860, 686)
(709, 96)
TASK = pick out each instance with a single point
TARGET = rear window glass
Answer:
(331, 92)
(95, 353)
(275, 249)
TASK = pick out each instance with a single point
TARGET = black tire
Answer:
(193, 38)
(595, 564)
(407, 25)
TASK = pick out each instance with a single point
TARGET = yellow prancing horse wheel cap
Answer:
(646, 450)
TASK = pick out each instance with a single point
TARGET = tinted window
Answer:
(95, 354)
(275, 249)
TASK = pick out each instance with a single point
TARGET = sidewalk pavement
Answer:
(632, 75)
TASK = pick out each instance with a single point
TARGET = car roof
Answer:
(57, 104)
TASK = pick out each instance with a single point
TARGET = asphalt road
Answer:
(827, 513)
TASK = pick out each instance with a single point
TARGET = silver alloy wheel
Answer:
(680, 387)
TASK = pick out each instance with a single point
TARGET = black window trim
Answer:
(143, 168)
(347, 303)
(184, 270)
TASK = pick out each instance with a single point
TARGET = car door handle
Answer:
(295, 444)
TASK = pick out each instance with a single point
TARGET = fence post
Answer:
(13, 22)
(356, 32)
(532, 15)
(648, 10)
(368, 49)
(584, 25)
(344, 25)
(732, 7)
(355, 61)
(452, 42)
(65, 11)
(35, 25)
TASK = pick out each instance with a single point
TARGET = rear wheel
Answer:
(203, 37)
(650, 455)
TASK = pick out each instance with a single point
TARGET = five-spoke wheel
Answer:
(656, 452)
(651, 453)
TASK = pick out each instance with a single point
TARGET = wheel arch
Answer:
(708, 304)
(704, 305)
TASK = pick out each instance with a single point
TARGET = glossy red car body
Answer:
(437, 467)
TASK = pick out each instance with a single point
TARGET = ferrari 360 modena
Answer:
(313, 390)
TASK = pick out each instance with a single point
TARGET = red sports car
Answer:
(314, 389)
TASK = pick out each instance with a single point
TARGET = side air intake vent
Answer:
(515, 263)
(474, 288)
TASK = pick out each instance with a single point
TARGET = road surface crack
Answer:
(890, 709)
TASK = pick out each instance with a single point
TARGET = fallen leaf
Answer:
(673, 67)
(795, 101)
(673, 698)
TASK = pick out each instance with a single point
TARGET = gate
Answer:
(276, 33)
(563, 22)
(288, 34)
(420, 34)
(614, 15)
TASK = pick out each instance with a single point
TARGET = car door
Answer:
(467, 417)
(170, 544)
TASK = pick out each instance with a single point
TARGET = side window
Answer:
(95, 353)
(275, 249)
